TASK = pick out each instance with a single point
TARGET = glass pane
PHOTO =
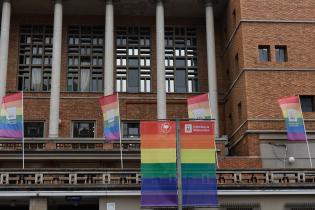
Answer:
(34, 129)
(36, 79)
(133, 80)
(180, 85)
(83, 129)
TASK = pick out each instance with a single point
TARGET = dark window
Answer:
(133, 80)
(234, 18)
(236, 63)
(133, 59)
(239, 108)
(34, 129)
(264, 53)
(35, 55)
(307, 103)
(83, 129)
(281, 54)
(131, 129)
(180, 82)
(85, 58)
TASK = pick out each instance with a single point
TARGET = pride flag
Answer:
(110, 109)
(198, 107)
(198, 161)
(11, 116)
(292, 113)
(158, 164)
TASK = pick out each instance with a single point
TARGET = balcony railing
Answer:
(131, 179)
(68, 145)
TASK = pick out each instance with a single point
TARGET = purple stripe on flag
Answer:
(11, 134)
(158, 200)
(297, 137)
(201, 200)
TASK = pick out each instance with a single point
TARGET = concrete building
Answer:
(65, 54)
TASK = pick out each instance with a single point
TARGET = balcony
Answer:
(130, 179)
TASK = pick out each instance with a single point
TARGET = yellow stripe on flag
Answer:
(197, 156)
(158, 155)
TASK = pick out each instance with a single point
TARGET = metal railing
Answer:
(131, 178)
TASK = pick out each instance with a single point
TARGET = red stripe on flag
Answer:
(289, 100)
(198, 99)
(108, 99)
(12, 97)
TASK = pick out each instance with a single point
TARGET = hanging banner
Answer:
(11, 116)
(199, 107)
(110, 109)
(293, 116)
(198, 163)
(158, 164)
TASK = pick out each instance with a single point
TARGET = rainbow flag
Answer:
(11, 116)
(198, 161)
(110, 109)
(198, 107)
(158, 164)
(292, 113)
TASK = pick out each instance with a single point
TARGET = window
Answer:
(281, 54)
(181, 68)
(133, 59)
(236, 63)
(83, 129)
(35, 55)
(34, 129)
(264, 53)
(85, 58)
(307, 103)
(239, 109)
(234, 18)
(131, 129)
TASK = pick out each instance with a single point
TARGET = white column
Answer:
(38, 203)
(4, 46)
(211, 59)
(109, 48)
(56, 67)
(160, 61)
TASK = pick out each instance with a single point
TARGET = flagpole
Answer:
(121, 149)
(215, 130)
(23, 150)
(308, 147)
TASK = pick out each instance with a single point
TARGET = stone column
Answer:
(56, 67)
(160, 61)
(38, 203)
(211, 59)
(4, 46)
(109, 48)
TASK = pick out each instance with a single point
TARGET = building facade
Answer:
(65, 54)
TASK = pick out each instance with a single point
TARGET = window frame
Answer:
(125, 123)
(312, 98)
(285, 53)
(87, 57)
(87, 121)
(261, 49)
(36, 121)
(44, 36)
(181, 44)
(133, 46)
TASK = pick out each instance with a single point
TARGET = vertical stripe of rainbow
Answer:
(198, 164)
(198, 107)
(158, 164)
(110, 109)
(11, 116)
(292, 113)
